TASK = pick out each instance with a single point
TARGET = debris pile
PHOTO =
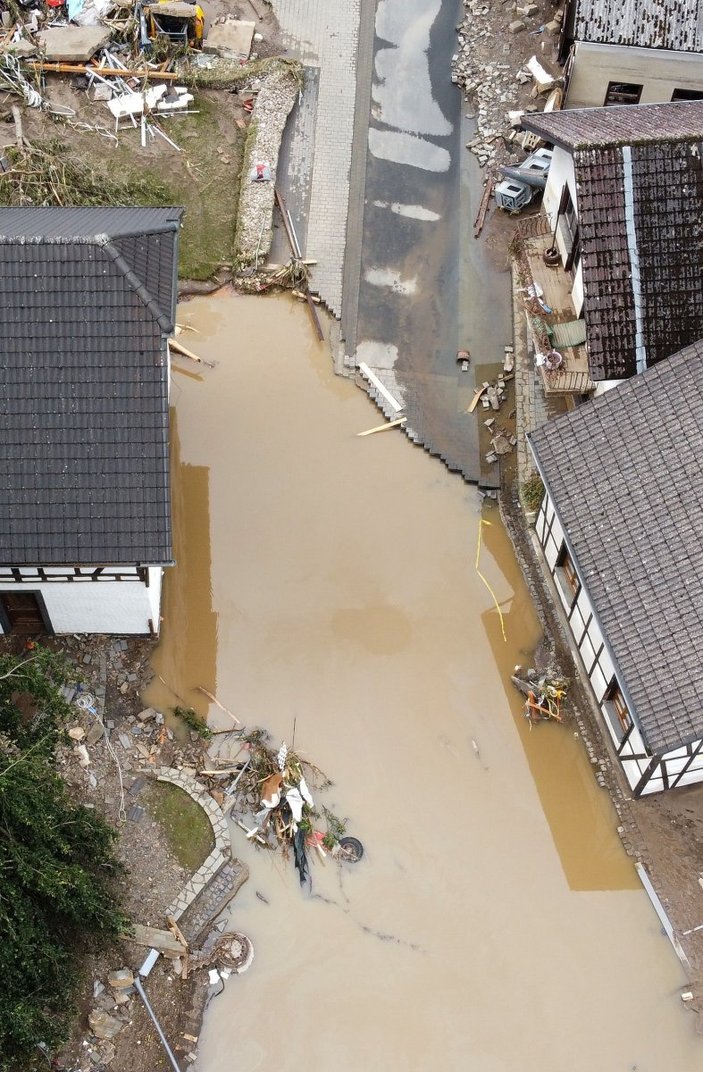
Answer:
(128, 57)
(494, 394)
(544, 692)
(269, 793)
(503, 441)
(495, 86)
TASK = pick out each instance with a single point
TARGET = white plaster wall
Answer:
(658, 71)
(98, 606)
(599, 682)
(154, 592)
(578, 626)
(606, 385)
(561, 173)
(577, 292)
(693, 774)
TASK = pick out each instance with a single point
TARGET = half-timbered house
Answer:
(88, 304)
(620, 527)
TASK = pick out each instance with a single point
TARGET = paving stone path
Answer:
(212, 900)
(324, 34)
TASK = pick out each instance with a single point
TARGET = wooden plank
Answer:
(474, 401)
(483, 207)
(106, 72)
(383, 427)
(153, 938)
(366, 371)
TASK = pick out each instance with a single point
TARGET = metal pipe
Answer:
(152, 1014)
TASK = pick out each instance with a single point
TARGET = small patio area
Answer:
(551, 319)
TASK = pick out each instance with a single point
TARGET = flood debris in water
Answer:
(544, 691)
(269, 793)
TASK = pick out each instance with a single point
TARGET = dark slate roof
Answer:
(658, 309)
(625, 472)
(89, 298)
(672, 24)
(624, 124)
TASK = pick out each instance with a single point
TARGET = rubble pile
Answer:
(498, 84)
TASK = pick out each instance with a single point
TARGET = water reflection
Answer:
(187, 654)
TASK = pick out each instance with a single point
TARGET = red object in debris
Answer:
(54, 3)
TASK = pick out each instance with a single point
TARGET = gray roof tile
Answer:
(84, 449)
(664, 146)
(625, 472)
(671, 24)
(625, 124)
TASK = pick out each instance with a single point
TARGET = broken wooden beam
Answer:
(474, 401)
(153, 938)
(106, 72)
(176, 931)
(181, 349)
(383, 427)
(483, 207)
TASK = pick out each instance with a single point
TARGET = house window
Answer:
(572, 261)
(617, 711)
(687, 94)
(568, 228)
(622, 93)
(566, 575)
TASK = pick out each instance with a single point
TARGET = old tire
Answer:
(350, 849)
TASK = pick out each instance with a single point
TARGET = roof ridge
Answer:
(137, 284)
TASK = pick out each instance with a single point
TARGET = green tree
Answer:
(57, 864)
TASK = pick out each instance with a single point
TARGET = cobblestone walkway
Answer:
(211, 901)
(324, 34)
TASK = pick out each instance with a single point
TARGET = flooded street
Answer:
(494, 922)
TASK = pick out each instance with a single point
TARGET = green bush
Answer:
(532, 492)
(57, 866)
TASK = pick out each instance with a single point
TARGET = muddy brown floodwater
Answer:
(494, 922)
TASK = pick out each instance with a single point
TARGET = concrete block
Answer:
(231, 39)
(73, 44)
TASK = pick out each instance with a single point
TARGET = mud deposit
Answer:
(494, 922)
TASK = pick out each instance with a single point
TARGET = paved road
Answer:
(426, 288)
(316, 157)
(384, 196)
